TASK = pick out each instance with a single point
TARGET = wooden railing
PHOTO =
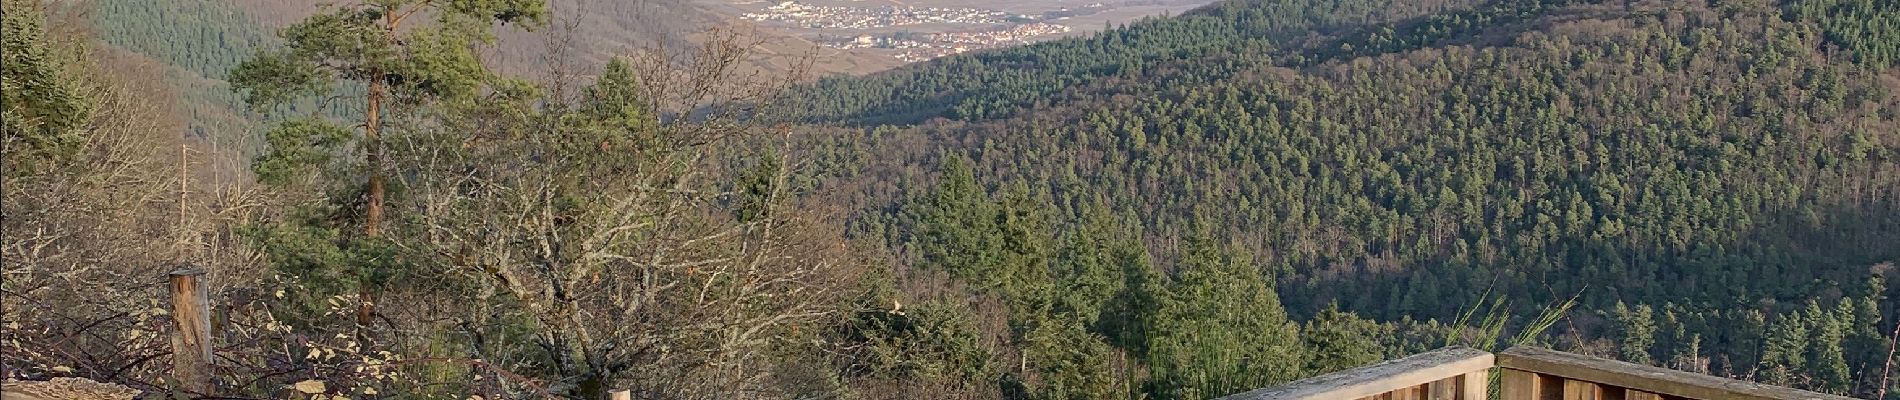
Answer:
(1525, 373)
(1452, 373)
(1532, 373)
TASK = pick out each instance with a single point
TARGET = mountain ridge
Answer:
(1718, 161)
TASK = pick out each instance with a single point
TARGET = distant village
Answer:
(1008, 29)
(830, 17)
(919, 47)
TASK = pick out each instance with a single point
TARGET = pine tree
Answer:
(1826, 352)
(1024, 231)
(1086, 267)
(1637, 328)
(1073, 363)
(1784, 351)
(1337, 340)
(953, 225)
(1129, 318)
(398, 64)
(389, 62)
(1220, 329)
(42, 103)
(1866, 347)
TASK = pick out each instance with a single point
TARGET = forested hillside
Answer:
(1715, 183)
(190, 44)
(1184, 207)
(989, 84)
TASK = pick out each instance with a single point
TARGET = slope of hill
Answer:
(1731, 165)
(603, 28)
(192, 44)
(987, 84)
(1183, 208)
(188, 45)
(196, 42)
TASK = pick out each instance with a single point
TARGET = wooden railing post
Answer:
(1475, 385)
(619, 395)
(191, 331)
(1515, 384)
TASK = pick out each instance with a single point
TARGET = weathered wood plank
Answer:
(1519, 385)
(1645, 378)
(1474, 385)
(1581, 390)
(1442, 389)
(1417, 370)
(1410, 393)
(1634, 394)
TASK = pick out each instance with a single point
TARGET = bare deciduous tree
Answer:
(614, 227)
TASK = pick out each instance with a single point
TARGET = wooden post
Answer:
(191, 332)
(619, 395)
(1520, 385)
(1475, 385)
(1634, 394)
(1442, 389)
(1582, 390)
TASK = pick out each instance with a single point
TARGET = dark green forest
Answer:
(196, 41)
(1715, 184)
(1187, 206)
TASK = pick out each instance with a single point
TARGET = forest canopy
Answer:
(1182, 207)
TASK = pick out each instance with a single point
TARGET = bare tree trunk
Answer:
(373, 221)
(184, 192)
(372, 137)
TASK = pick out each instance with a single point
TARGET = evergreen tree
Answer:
(1220, 329)
(369, 44)
(1637, 328)
(1129, 318)
(389, 62)
(1784, 356)
(1866, 347)
(1088, 267)
(1072, 363)
(45, 107)
(953, 225)
(1826, 351)
(1337, 340)
(1024, 232)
